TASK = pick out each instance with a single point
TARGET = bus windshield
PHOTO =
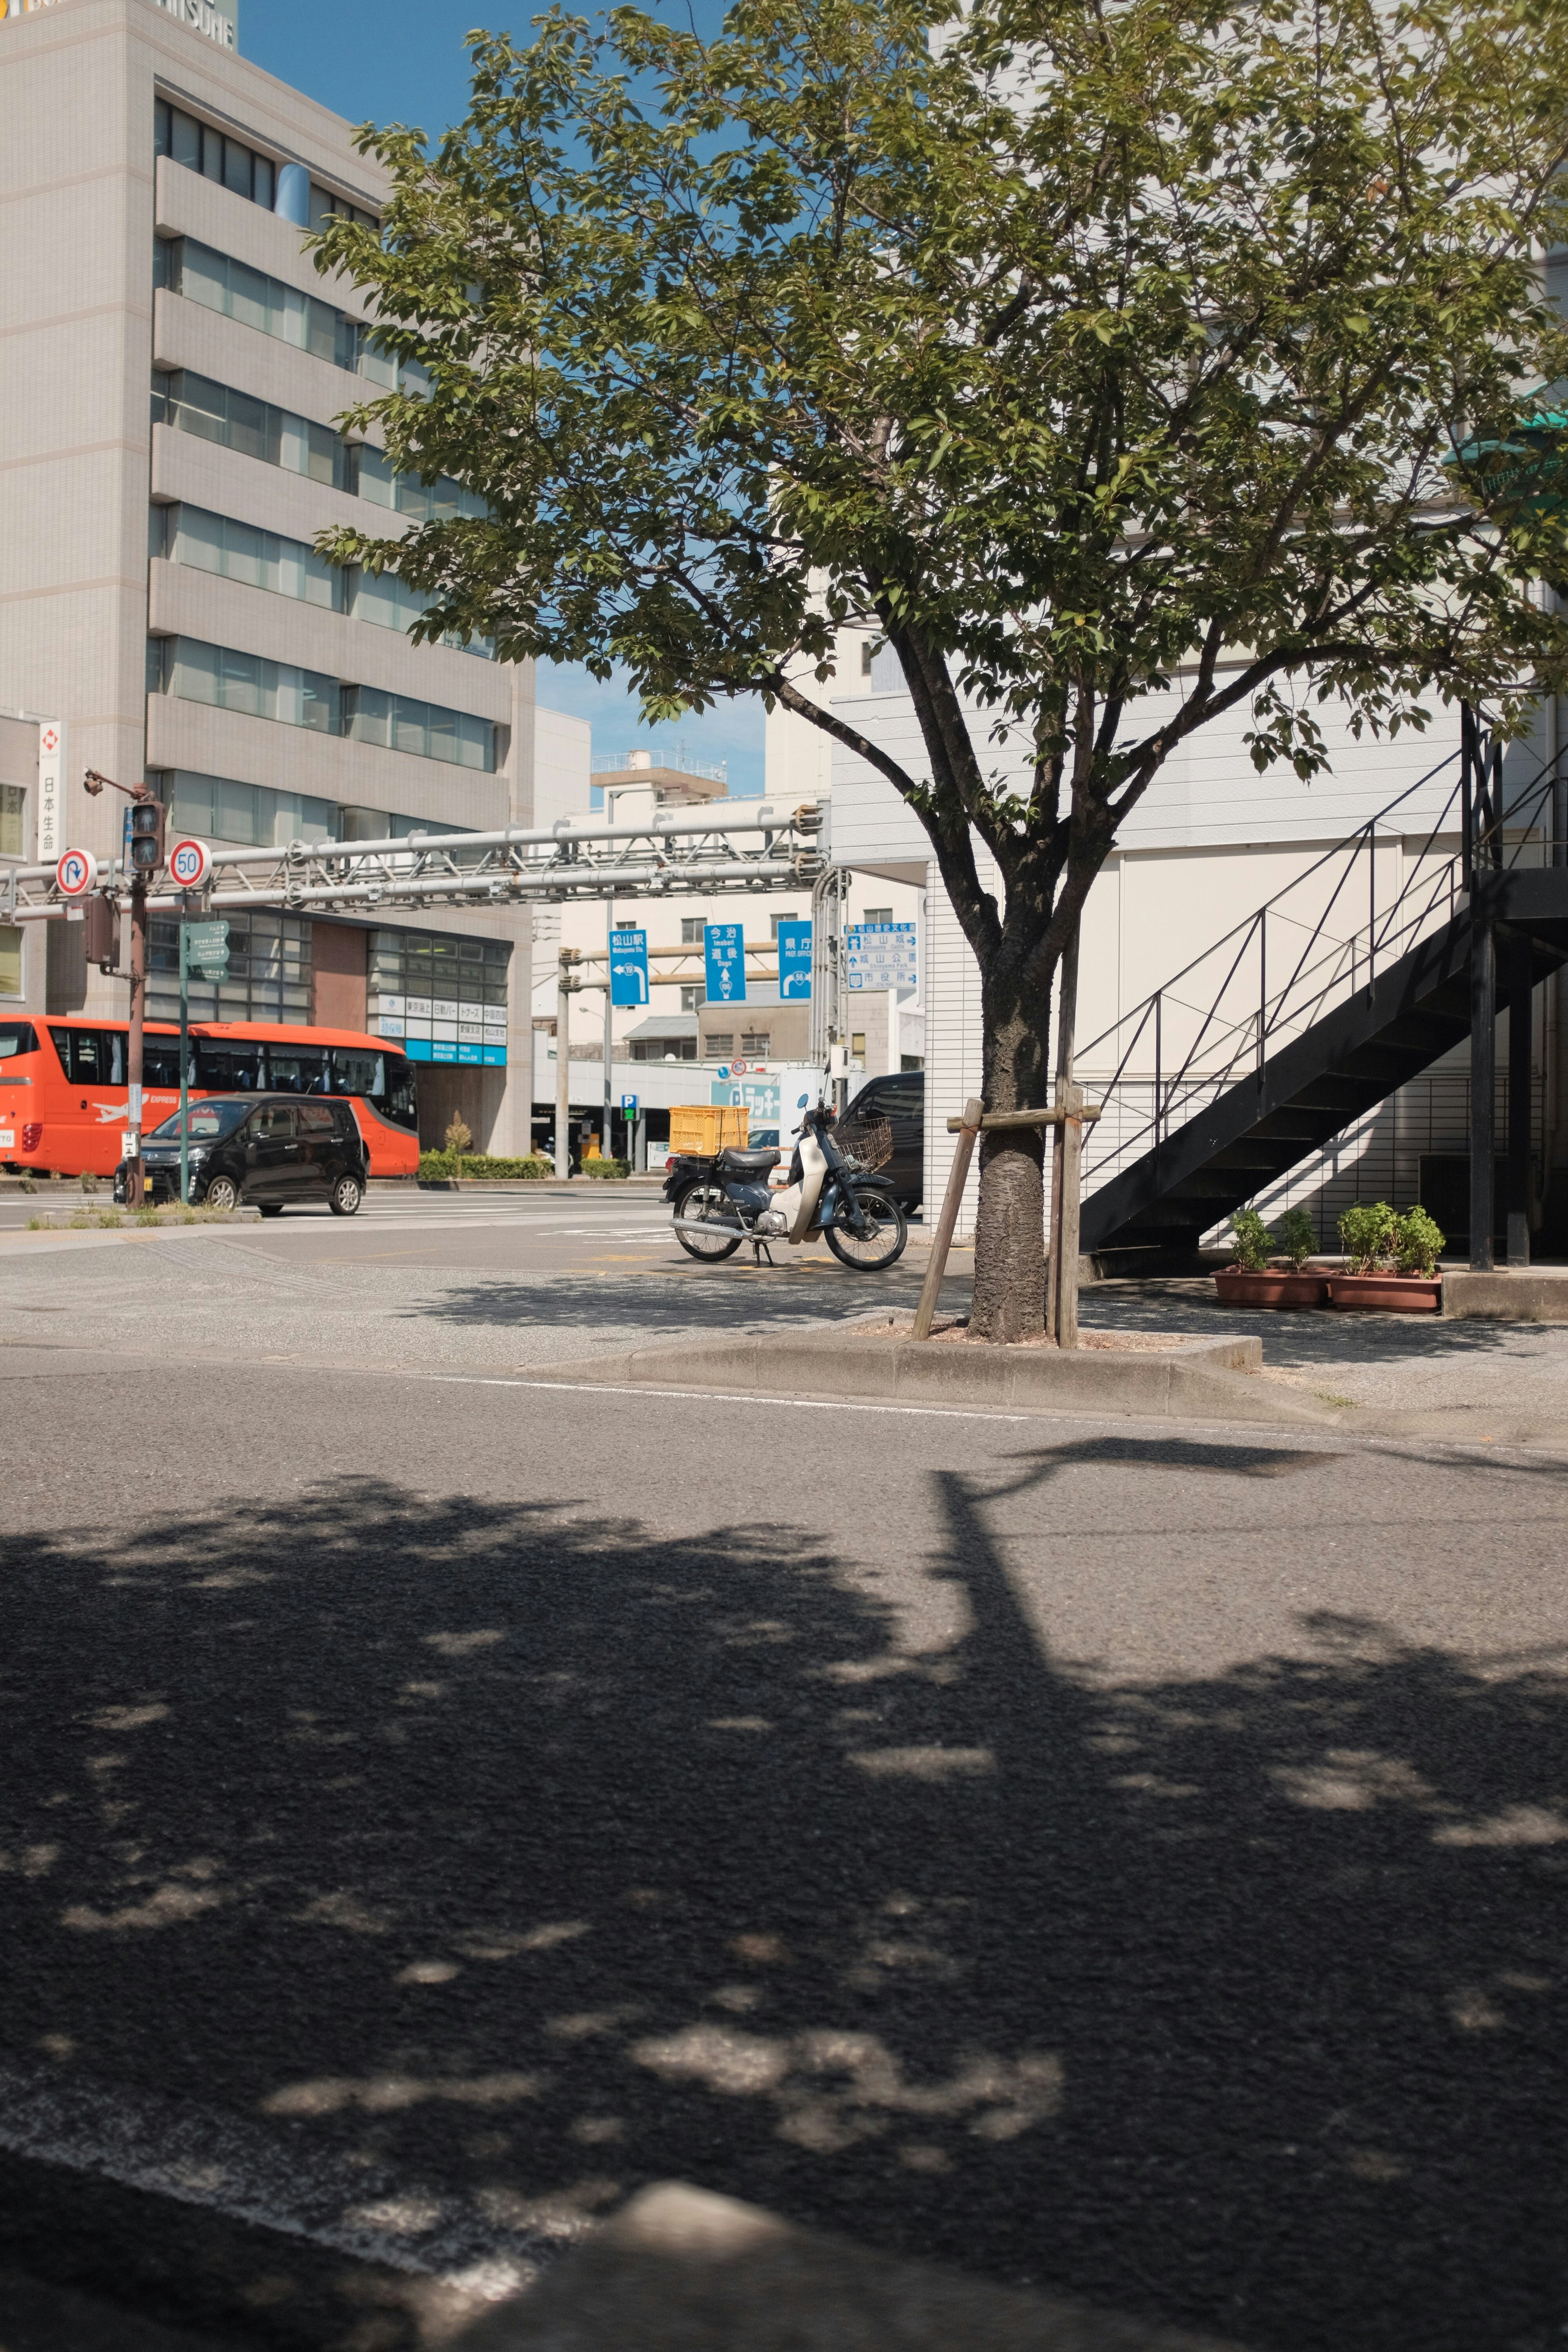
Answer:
(209, 1123)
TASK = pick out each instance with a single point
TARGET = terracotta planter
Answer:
(1389, 1293)
(1270, 1289)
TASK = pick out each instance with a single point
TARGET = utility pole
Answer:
(146, 859)
(609, 1018)
(563, 987)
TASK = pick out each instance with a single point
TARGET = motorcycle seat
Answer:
(748, 1163)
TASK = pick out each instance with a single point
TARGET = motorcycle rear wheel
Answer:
(883, 1246)
(700, 1202)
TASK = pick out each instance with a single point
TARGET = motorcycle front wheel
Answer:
(705, 1204)
(882, 1243)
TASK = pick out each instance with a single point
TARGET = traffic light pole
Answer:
(133, 1049)
(146, 859)
(185, 1063)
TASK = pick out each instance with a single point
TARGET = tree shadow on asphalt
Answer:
(704, 1301)
(543, 1856)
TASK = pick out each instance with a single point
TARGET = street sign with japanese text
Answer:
(882, 955)
(628, 967)
(795, 961)
(724, 959)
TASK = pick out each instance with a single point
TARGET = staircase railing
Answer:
(1322, 938)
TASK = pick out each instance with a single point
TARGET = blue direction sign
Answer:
(628, 967)
(882, 955)
(795, 961)
(724, 950)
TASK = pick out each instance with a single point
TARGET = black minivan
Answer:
(270, 1151)
(900, 1099)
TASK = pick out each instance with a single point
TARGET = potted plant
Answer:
(1391, 1261)
(1252, 1281)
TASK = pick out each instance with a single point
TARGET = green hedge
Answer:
(435, 1166)
(606, 1166)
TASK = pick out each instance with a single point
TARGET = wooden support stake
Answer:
(941, 1240)
(994, 1118)
(1061, 1256)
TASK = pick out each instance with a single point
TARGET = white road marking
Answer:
(228, 2164)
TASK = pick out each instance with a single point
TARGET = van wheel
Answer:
(346, 1195)
(222, 1193)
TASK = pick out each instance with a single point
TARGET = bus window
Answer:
(159, 1061)
(91, 1057)
(297, 1069)
(402, 1103)
(228, 1065)
(16, 1037)
(357, 1071)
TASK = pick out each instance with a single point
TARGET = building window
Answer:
(662, 1049)
(388, 602)
(325, 203)
(865, 657)
(258, 689)
(776, 920)
(690, 997)
(427, 730)
(239, 550)
(444, 996)
(384, 824)
(12, 809)
(692, 931)
(10, 959)
(248, 295)
(436, 501)
(878, 915)
(214, 808)
(253, 428)
(237, 291)
(249, 684)
(757, 1040)
(214, 155)
(858, 1043)
(720, 1041)
(269, 975)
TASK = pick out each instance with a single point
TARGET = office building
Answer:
(171, 376)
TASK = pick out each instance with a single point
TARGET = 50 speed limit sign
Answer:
(190, 863)
(76, 873)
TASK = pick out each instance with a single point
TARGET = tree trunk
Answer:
(1009, 1234)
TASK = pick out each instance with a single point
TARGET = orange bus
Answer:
(64, 1097)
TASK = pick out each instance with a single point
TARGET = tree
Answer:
(1075, 349)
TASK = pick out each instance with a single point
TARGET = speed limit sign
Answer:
(190, 863)
(76, 873)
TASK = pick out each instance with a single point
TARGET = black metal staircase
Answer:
(1214, 1098)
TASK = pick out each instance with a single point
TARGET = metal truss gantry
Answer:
(670, 856)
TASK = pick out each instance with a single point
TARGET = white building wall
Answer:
(1212, 840)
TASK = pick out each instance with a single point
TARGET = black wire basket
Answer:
(865, 1143)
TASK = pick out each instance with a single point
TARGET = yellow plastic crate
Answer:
(709, 1127)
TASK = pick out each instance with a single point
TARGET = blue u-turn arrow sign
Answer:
(628, 967)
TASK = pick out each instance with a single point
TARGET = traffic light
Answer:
(146, 837)
(103, 918)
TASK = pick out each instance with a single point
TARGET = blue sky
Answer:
(404, 61)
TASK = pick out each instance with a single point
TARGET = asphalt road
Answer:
(437, 1802)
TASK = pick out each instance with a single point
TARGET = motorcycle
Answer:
(723, 1199)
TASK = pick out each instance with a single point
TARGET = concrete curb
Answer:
(1516, 1294)
(680, 2270)
(1205, 1379)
